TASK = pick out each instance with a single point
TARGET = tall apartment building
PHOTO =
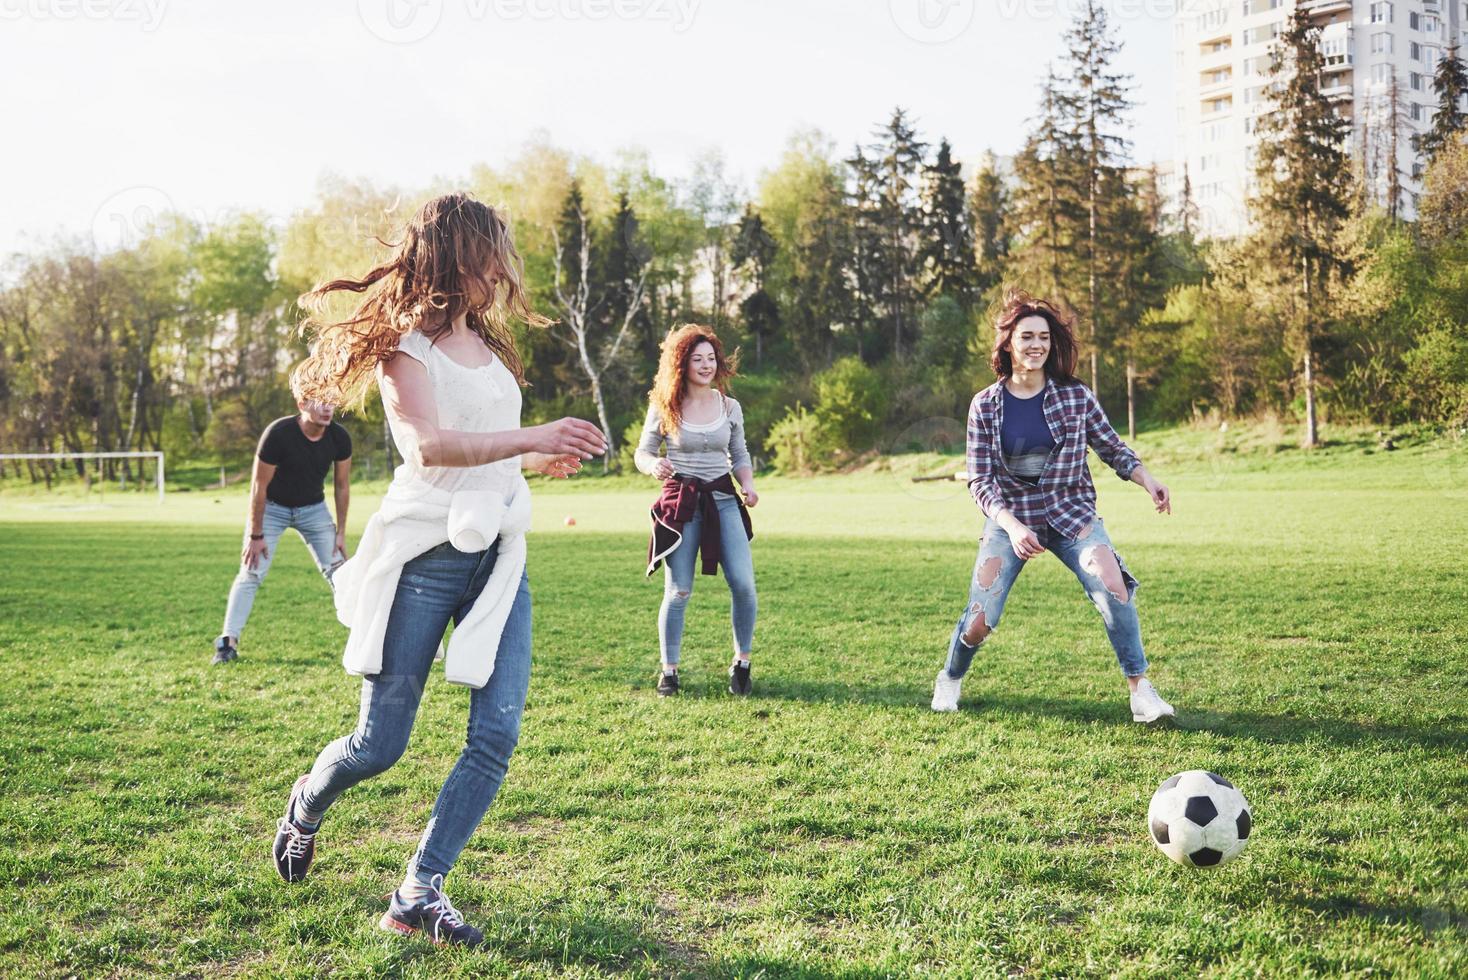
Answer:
(1222, 60)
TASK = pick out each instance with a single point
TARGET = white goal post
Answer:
(98, 456)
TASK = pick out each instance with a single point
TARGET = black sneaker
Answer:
(224, 651)
(294, 846)
(434, 918)
(667, 684)
(739, 682)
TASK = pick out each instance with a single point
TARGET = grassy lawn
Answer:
(1308, 615)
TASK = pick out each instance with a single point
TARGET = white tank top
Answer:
(478, 399)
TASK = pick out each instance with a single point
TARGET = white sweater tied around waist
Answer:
(416, 517)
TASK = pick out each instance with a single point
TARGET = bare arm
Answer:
(407, 395)
(255, 547)
(341, 479)
(260, 478)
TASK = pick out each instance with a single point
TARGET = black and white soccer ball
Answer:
(1199, 819)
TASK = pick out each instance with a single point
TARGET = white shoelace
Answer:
(441, 905)
(297, 840)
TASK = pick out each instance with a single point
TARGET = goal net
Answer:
(85, 474)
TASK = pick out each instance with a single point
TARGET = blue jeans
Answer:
(678, 572)
(990, 585)
(438, 585)
(315, 526)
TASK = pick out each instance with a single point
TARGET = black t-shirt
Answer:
(301, 465)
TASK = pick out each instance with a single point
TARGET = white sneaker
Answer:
(1147, 704)
(945, 692)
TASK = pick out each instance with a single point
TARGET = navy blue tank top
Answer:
(1025, 438)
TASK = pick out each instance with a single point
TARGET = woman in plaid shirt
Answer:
(1027, 439)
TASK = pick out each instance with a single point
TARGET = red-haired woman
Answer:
(691, 415)
(448, 543)
(1027, 439)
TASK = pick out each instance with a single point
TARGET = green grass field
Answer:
(1308, 615)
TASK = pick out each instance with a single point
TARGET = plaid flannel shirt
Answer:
(1065, 497)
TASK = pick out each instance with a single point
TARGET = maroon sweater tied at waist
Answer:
(681, 499)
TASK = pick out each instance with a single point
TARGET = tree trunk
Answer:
(1131, 399)
(1311, 432)
(1091, 276)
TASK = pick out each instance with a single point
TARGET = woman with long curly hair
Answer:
(433, 331)
(691, 417)
(1027, 438)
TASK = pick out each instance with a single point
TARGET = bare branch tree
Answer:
(578, 315)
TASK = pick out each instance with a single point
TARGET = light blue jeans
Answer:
(678, 574)
(1122, 626)
(439, 585)
(315, 526)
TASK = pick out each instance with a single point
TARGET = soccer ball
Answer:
(1199, 819)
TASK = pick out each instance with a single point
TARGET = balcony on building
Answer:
(1215, 80)
(1326, 8)
(1337, 44)
(1337, 91)
(1214, 108)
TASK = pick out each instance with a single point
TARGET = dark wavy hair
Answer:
(1060, 364)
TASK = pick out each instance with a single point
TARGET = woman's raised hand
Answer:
(566, 437)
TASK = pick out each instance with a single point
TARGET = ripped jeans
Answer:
(439, 585)
(998, 566)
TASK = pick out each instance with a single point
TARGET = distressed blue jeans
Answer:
(439, 585)
(315, 526)
(998, 566)
(679, 567)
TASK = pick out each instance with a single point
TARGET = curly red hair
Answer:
(667, 388)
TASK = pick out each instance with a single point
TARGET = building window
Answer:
(1414, 20)
(1212, 19)
(1414, 50)
(1381, 13)
(1416, 81)
(1381, 43)
(1258, 35)
(1416, 111)
(1381, 74)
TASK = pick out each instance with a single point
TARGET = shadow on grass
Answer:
(1430, 918)
(1238, 724)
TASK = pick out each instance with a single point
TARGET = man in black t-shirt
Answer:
(291, 462)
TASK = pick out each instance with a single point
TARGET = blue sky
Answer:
(207, 105)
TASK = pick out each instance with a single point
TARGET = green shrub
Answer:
(800, 443)
(851, 404)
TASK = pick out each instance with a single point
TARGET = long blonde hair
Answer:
(667, 388)
(454, 251)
